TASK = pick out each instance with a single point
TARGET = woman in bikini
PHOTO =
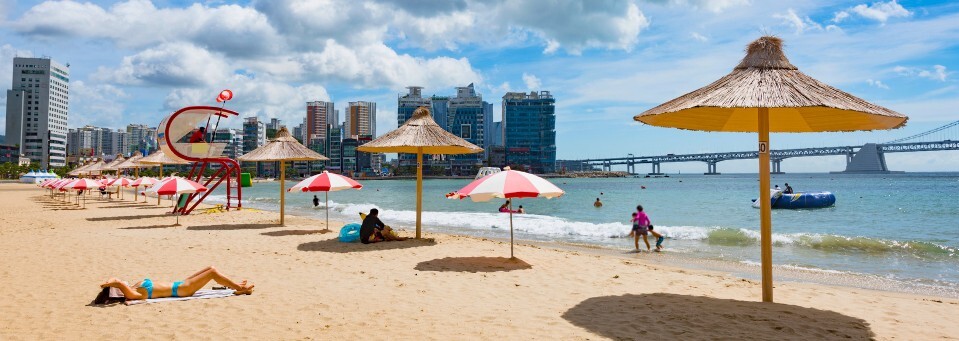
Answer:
(148, 289)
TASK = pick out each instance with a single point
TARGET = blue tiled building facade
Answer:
(529, 130)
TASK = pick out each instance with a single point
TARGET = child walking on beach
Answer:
(659, 238)
(640, 227)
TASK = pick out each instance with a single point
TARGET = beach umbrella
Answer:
(145, 181)
(112, 165)
(325, 182)
(283, 148)
(420, 135)
(77, 171)
(118, 183)
(176, 186)
(766, 93)
(159, 159)
(93, 169)
(509, 184)
(131, 163)
(83, 185)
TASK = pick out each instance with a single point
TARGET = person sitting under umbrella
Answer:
(148, 289)
(373, 230)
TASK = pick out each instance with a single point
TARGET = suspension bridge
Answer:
(867, 158)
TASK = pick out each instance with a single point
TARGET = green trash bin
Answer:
(245, 180)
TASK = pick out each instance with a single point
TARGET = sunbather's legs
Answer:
(200, 279)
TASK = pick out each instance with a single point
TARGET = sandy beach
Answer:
(311, 286)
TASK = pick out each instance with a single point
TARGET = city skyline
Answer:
(607, 62)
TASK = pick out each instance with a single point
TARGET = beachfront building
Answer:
(471, 118)
(529, 130)
(348, 156)
(254, 136)
(405, 105)
(335, 148)
(90, 141)
(142, 138)
(318, 115)
(360, 119)
(37, 110)
(233, 139)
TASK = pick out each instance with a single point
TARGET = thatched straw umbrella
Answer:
(79, 170)
(158, 158)
(283, 148)
(420, 135)
(96, 167)
(112, 165)
(765, 93)
(132, 163)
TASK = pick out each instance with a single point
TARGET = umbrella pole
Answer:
(327, 205)
(282, 192)
(161, 177)
(419, 189)
(511, 229)
(765, 216)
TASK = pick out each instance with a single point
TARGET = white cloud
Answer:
(171, 64)
(878, 11)
(937, 72)
(878, 84)
(698, 37)
(97, 104)
(800, 24)
(715, 6)
(532, 82)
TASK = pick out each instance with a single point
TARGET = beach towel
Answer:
(200, 294)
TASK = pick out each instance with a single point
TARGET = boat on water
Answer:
(487, 171)
(799, 200)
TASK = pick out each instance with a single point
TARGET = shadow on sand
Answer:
(149, 227)
(474, 264)
(294, 232)
(334, 245)
(129, 217)
(682, 317)
(227, 227)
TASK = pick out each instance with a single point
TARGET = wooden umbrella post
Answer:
(765, 216)
(161, 177)
(511, 229)
(419, 189)
(282, 192)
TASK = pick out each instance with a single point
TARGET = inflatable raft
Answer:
(800, 200)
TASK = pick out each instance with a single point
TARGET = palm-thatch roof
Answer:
(95, 168)
(160, 158)
(112, 165)
(766, 79)
(131, 162)
(283, 148)
(420, 134)
(81, 169)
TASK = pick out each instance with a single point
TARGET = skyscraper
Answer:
(471, 118)
(361, 119)
(405, 105)
(254, 136)
(318, 115)
(37, 108)
(142, 138)
(529, 130)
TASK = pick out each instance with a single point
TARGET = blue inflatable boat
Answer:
(800, 200)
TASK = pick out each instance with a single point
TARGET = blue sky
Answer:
(604, 61)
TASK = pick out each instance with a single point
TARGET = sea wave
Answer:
(549, 226)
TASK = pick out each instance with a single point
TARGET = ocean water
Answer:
(897, 228)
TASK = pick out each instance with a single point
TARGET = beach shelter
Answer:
(93, 169)
(420, 135)
(176, 186)
(112, 165)
(283, 148)
(325, 182)
(766, 93)
(80, 169)
(131, 163)
(509, 184)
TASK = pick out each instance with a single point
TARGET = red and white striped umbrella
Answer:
(174, 186)
(325, 182)
(509, 184)
(144, 181)
(83, 184)
(121, 181)
(55, 183)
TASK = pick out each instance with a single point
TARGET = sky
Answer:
(604, 61)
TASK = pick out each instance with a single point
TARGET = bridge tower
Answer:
(711, 168)
(655, 170)
(776, 166)
(869, 159)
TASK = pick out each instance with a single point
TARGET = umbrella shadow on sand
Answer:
(225, 227)
(128, 217)
(474, 264)
(335, 246)
(671, 316)
(150, 227)
(294, 233)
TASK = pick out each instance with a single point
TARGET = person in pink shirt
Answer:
(640, 227)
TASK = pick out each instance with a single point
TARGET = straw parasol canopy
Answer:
(81, 169)
(112, 166)
(766, 93)
(282, 148)
(131, 162)
(160, 158)
(96, 167)
(420, 135)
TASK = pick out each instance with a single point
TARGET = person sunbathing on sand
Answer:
(148, 289)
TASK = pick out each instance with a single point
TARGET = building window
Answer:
(465, 130)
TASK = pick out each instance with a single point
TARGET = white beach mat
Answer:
(200, 294)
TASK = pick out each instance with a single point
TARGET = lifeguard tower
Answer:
(173, 136)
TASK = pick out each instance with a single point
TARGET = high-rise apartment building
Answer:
(360, 119)
(405, 105)
(254, 136)
(37, 109)
(529, 130)
(142, 138)
(471, 118)
(89, 141)
(318, 115)
(335, 148)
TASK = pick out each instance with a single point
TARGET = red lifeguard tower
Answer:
(173, 137)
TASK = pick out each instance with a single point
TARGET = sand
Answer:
(310, 286)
